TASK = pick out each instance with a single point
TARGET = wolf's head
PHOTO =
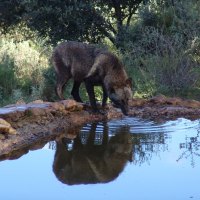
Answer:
(120, 96)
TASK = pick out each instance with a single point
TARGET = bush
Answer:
(162, 58)
(22, 63)
(161, 52)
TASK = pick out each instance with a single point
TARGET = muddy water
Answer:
(122, 159)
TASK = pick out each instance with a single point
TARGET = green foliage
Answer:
(86, 20)
(7, 78)
(158, 42)
(162, 50)
(22, 63)
(48, 85)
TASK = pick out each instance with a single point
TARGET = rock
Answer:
(5, 127)
(4, 122)
(12, 131)
(37, 101)
(113, 113)
(35, 112)
(2, 137)
(58, 106)
(20, 102)
(191, 104)
(71, 105)
(137, 102)
(173, 101)
(160, 99)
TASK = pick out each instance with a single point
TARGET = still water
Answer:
(122, 160)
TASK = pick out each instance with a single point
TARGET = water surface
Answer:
(132, 159)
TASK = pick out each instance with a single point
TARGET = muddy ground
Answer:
(25, 127)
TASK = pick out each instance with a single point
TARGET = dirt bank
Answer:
(30, 126)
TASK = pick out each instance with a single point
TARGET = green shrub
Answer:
(162, 56)
(48, 87)
(22, 63)
(161, 52)
(7, 78)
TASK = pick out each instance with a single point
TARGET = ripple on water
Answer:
(138, 125)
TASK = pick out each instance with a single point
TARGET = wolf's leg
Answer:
(61, 152)
(105, 134)
(63, 74)
(60, 85)
(77, 143)
(75, 91)
(90, 90)
(91, 138)
(105, 96)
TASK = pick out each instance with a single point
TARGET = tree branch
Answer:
(132, 11)
(118, 13)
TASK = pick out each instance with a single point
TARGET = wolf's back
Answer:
(77, 58)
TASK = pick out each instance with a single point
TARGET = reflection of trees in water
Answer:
(147, 145)
(98, 155)
(191, 148)
(144, 145)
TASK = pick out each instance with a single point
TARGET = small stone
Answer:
(191, 104)
(2, 137)
(174, 101)
(4, 128)
(58, 106)
(137, 102)
(72, 105)
(12, 131)
(7, 129)
(160, 99)
(36, 111)
(4, 122)
(20, 102)
(38, 101)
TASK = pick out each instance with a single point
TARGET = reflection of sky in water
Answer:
(169, 173)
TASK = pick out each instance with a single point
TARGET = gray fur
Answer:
(94, 66)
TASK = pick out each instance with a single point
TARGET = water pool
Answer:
(162, 161)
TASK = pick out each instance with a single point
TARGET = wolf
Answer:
(91, 163)
(94, 66)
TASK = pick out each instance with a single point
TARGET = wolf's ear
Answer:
(129, 82)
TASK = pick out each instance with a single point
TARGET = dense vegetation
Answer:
(158, 41)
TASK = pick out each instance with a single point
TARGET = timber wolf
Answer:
(93, 66)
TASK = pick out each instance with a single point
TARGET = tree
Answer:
(83, 20)
(118, 15)
(10, 13)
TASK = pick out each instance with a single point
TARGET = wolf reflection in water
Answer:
(91, 163)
